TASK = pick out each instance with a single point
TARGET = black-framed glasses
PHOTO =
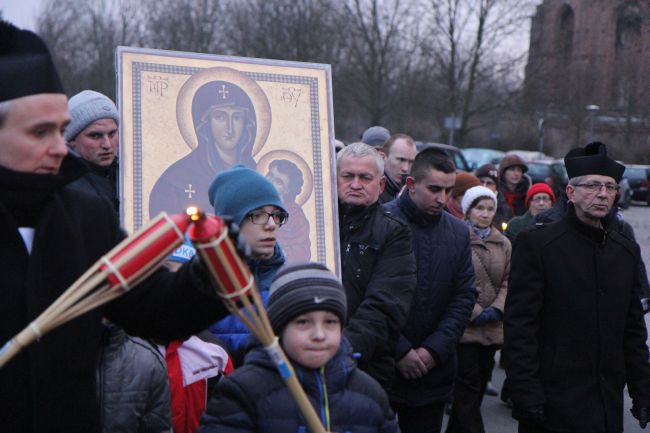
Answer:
(261, 217)
(597, 186)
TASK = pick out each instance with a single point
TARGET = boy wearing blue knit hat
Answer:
(255, 205)
(307, 309)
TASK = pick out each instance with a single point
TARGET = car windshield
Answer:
(635, 173)
(538, 170)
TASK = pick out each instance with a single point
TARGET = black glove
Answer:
(533, 414)
(641, 413)
(489, 315)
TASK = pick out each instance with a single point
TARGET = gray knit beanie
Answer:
(86, 107)
(299, 289)
(375, 136)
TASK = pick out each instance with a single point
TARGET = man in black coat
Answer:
(444, 295)
(377, 259)
(49, 235)
(92, 134)
(574, 329)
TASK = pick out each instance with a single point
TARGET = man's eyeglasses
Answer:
(261, 217)
(541, 198)
(611, 188)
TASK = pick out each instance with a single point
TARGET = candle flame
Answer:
(194, 213)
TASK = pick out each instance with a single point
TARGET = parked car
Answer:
(529, 155)
(550, 171)
(625, 194)
(453, 151)
(478, 156)
(639, 178)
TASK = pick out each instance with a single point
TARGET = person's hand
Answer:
(641, 414)
(426, 357)
(534, 414)
(411, 366)
(489, 315)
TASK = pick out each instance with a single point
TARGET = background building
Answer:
(587, 72)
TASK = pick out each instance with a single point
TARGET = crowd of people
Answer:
(440, 269)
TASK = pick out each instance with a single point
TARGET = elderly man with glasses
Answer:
(574, 329)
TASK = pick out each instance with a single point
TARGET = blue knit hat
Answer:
(239, 190)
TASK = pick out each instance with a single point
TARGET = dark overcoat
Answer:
(574, 329)
(50, 386)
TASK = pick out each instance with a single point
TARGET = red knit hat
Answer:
(536, 189)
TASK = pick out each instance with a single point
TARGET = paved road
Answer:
(496, 414)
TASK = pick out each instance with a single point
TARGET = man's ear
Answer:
(382, 184)
(410, 183)
(570, 189)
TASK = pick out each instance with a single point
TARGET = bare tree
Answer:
(470, 63)
(83, 38)
(186, 25)
(301, 30)
(381, 42)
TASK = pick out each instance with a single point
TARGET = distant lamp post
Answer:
(592, 109)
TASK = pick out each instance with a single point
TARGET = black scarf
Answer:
(24, 195)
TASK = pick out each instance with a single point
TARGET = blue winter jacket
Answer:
(255, 399)
(442, 303)
(230, 330)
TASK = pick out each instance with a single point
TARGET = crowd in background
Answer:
(439, 270)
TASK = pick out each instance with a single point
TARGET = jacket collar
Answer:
(414, 214)
(351, 217)
(391, 186)
(598, 235)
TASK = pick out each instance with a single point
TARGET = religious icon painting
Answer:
(187, 117)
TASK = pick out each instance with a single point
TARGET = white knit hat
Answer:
(86, 107)
(474, 193)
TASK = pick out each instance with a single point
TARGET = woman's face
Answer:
(227, 125)
(482, 214)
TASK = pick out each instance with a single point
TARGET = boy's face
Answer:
(261, 237)
(313, 338)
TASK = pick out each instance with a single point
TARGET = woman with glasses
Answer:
(252, 201)
(538, 198)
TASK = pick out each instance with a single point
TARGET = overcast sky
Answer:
(20, 12)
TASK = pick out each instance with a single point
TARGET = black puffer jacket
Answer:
(379, 279)
(442, 303)
(255, 399)
(132, 385)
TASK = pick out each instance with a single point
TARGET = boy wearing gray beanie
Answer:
(307, 309)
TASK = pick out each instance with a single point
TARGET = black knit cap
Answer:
(26, 67)
(592, 159)
(299, 289)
